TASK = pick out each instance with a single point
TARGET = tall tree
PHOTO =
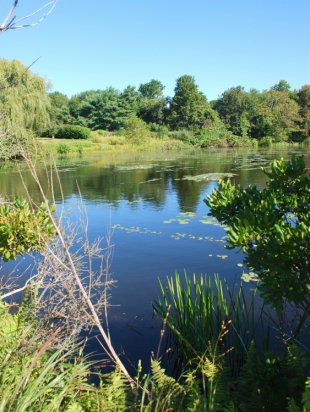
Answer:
(153, 89)
(59, 111)
(304, 109)
(273, 113)
(189, 108)
(282, 86)
(24, 105)
(153, 102)
(233, 108)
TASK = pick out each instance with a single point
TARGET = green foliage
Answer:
(59, 110)
(273, 113)
(72, 132)
(23, 229)
(34, 377)
(24, 107)
(285, 374)
(233, 107)
(273, 228)
(152, 104)
(104, 109)
(63, 149)
(215, 133)
(152, 90)
(189, 108)
(184, 135)
(159, 131)
(137, 131)
(303, 96)
(200, 309)
(282, 86)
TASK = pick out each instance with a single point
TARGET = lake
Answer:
(160, 224)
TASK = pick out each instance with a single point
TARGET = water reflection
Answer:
(160, 222)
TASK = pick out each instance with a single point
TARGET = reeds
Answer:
(200, 306)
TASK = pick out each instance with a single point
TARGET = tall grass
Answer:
(200, 307)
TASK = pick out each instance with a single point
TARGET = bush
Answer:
(185, 136)
(72, 132)
(159, 130)
(137, 131)
(266, 141)
(63, 148)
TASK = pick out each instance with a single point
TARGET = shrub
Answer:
(159, 130)
(137, 131)
(63, 148)
(185, 136)
(72, 132)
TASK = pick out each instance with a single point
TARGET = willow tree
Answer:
(24, 107)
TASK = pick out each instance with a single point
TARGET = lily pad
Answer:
(249, 277)
(208, 176)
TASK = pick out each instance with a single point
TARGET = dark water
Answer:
(160, 223)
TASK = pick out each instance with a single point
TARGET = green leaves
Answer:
(272, 227)
(22, 229)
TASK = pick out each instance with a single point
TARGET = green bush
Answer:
(185, 136)
(72, 132)
(159, 130)
(137, 131)
(63, 148)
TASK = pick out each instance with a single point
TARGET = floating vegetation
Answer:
(126, 168)
(183, 222)
(222, 256)
(153, 180)
(249, 277)
(183, 218)
(178, 236)
(240, 265)
(136, 229)
(207, 177)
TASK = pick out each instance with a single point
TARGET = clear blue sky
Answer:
(94, 44)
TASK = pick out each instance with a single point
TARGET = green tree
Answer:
(272, 226)
(189, 108)
(59, 111)
(24, 106)
(282, 86)
(233, 108)
(152, 90)
(104, 109)
(273, 113)
(304, 109)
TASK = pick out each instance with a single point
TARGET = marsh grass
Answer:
(111, 143)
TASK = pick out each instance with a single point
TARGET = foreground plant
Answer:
(272, 226)
(222, 337)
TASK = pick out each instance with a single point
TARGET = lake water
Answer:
(160, 223)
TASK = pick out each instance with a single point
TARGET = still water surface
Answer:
(160, 223)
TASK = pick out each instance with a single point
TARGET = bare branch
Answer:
(11, 22)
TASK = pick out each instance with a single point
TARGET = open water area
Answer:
(154, 203)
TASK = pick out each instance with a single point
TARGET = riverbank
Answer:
(112, 143)
(119, 144)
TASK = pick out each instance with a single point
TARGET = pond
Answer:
(160, 224)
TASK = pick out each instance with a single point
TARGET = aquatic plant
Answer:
(199, 307)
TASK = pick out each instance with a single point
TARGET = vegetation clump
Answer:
(272, 226)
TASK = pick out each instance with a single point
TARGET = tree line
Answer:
(238, 116)
(278, 114)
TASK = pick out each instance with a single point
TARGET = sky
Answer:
(94, 44)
